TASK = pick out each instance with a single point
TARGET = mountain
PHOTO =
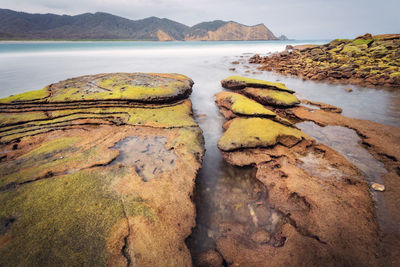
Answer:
(104, 26)
(221, 30)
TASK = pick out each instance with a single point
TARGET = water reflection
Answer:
(348, 143)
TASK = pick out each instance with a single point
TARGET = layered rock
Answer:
(323, 212)
(367, 60)
(272, 97)
(99, 170)
(238, 82)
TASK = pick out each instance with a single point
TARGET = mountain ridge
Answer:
(106, 26)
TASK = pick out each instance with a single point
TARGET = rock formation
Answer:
(232, 31)
(323, 212)
(367, 60)
(99, 170)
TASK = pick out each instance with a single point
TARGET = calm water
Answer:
(32, 65)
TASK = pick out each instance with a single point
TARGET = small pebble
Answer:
(378, 187)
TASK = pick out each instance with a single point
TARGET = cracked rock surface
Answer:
(99, 170)
(324, 213)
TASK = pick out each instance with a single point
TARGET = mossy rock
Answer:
(242, 105)
(138, 87)
(237, 83)
(272, 97)
(257, 132)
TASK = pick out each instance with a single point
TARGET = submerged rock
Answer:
(237, 82)
(72, 194)
(272, 97)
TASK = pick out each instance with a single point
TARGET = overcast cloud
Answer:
(299, 19)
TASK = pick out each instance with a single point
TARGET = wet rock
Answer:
(348, 90)
(315, 193)
(322, 106)
(70, 192)
(235, 62)
(237, 82)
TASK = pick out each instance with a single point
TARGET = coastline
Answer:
(238, 203)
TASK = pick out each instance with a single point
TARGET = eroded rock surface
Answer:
(238, 82)
(324, 214)
(99, 170)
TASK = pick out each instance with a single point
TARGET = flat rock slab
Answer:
(242, 105)
(271, 97)
(237, 83)
(139, 87)
(257, 132)
(103, 184)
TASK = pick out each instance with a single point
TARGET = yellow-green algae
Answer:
(272, 97)
(50, 156)
(64, 221)
(145, 87)
(38, 95)
(242, 105)
(179, 115)
(255, 132)
(14, 118)
(249, 82)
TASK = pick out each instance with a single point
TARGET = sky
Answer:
(297, 19)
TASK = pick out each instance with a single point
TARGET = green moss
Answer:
(395, 74)
(351, 49)
(14, 118)
(179, 115)
(28, 96)
(242, 105)
(63, 221)
(119, 86)
(249, 82)
(255, 132)
(51, 157)
(191, 139)
(362, 41)
(272, 97)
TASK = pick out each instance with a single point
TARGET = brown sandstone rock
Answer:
(94, 174)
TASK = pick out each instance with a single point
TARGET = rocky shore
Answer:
(323, 213)
(367, 61)
(99, 170)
